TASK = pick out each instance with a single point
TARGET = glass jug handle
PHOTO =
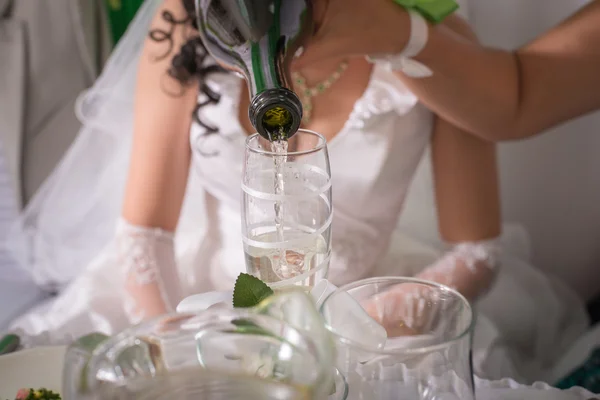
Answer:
(75, 373)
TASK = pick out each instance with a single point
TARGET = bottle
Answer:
(258, 40)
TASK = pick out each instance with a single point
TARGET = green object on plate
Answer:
(37, 394)
(9, 343)
(433, 10)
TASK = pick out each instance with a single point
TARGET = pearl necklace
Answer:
(307, 93)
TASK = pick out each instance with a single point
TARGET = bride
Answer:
(163, 111)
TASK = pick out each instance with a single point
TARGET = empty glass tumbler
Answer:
(423, 352)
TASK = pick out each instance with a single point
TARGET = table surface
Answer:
(38, 367)
(510, 390)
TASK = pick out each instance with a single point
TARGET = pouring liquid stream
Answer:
(280, 147)
(302, 248)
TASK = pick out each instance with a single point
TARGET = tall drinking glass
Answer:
(429, 360)
(287, 210)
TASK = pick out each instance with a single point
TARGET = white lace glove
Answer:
(469, 268)
(152, 284)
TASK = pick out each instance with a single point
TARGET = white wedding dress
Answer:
(66, 236)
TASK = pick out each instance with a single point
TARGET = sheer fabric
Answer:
(468, 267)
(147, 256)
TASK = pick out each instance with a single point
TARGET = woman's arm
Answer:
(468, 205)
(158, 173)
(495, 94)
(466, 190)
(160, 157)
(501, 95)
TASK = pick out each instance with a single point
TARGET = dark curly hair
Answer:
(190, 61)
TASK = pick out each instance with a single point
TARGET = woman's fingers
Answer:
(404, 310)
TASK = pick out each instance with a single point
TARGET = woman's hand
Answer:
(410, 308)
(355, 28)
(402, 311)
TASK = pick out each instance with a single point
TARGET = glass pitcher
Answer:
(279, 349)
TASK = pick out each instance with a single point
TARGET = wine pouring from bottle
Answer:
(258, 39)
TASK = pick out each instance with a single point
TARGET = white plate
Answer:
(33, 368)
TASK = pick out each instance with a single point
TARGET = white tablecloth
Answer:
(510, 390)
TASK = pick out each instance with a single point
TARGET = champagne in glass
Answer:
(287, 209)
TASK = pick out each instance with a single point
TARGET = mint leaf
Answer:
(249, 291)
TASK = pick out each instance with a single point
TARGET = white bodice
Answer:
(373, 160)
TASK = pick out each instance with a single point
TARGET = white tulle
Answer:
(85, 192)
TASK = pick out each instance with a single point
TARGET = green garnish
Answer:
(249, 291)
(40, 394)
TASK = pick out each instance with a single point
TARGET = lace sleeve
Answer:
(469, 268)
(147, 256)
